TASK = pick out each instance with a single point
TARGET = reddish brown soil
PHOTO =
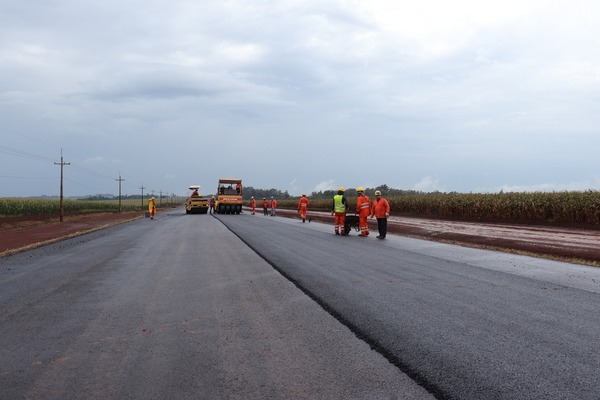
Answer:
(17, 233)
(570, 244)
(579, 245)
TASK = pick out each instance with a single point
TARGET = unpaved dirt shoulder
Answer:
(23, 233)
(566, 244)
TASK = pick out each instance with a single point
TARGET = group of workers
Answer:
(379, 208)
(265, 205)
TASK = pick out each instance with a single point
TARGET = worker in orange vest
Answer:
(363, 209)
(265, 205)
(381, 210)
(303, 206)
(253, 205)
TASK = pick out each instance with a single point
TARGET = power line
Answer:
(24, 154)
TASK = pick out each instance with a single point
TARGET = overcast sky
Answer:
(302, 95)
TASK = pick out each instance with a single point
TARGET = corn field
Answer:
(578, 208)
(23, 207)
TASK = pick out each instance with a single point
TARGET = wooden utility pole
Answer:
(62, 204)
(120, 180)
(142, 195)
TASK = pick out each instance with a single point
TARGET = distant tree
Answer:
(249, 191)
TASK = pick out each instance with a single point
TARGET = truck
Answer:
(229, 196)
(195, 203)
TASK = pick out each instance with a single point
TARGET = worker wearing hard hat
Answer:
(265, 205)
(339, 208)
(363, 209)
(381, 210)
(211, 204)
(253, 205)
(152, 207)
(303, 206)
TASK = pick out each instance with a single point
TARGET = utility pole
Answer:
(142, 195)
(62, 204)
(120, 180)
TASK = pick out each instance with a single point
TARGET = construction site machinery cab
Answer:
(196, 203)
(229, 196)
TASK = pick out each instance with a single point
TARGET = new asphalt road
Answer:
(253, 307)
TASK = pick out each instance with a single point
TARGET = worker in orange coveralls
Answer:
(253, 205)
(152, 207)
(381, 210)
(363, 209)
(339, 208)
(265, 205)
(303, 206)
(273, 206)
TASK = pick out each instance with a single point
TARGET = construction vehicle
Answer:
(195, 203)
(229, 196)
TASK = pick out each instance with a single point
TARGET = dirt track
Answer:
(580, 245)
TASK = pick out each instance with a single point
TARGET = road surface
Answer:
(180, 307)
(175, 308)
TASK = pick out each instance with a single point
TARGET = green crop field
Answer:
(10, 207)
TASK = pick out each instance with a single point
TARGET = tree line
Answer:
(249, 191)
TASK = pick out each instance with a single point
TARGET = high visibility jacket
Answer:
(380, 208)
(363, 206)
(253, 203)
(265, 203)
(303, 203)
(151, 204)
(273, 203)
(339, 203)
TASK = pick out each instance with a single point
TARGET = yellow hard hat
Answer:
(377, 193)
(341, 189)
(360, 189)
